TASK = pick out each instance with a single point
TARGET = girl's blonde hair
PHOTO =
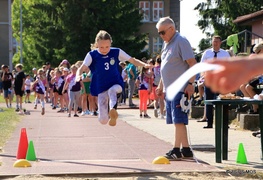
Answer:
(103, 35)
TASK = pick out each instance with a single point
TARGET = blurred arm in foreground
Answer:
(234, 72)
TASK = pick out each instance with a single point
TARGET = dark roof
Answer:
(249, 18)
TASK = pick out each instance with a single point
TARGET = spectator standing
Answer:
(132, 76)
(144, 87)
(74, 88)
(158, 100)
(124, 77)
(212, 53)
(85, 93)
(19, 86)
(27, 88)
(7, 78)
(177, 57)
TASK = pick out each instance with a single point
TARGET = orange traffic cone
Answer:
(23, 145)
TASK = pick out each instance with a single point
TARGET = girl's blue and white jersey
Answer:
(105, 69)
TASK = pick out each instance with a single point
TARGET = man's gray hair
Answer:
(165, 21)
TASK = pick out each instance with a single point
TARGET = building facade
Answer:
(255, 20)
(6, 46)
(152, 11)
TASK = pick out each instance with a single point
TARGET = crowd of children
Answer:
(81, 88)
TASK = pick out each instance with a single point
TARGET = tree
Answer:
(220, 15)
(58, 29)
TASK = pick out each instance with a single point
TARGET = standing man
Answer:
(19, 86)
(132, 76)
(177, 57)
(214, 52)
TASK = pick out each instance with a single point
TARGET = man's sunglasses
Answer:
(163, 32)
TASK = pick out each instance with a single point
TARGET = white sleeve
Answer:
(204, 58)
(123, 56)
(88, 60)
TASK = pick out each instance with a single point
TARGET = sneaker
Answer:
(162, 116)
(54, 107)
(140, 115)
(187, 153)
(35, 107)
(75, 115)
(60, 111)
(17, 109)
(113, 117)
(146, 116)
(69, 115)
(155, 113)
(28, 101)
(87, 112)
(83, 113)
(43, 111)
(174, 155)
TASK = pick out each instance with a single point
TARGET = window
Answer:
(157, 10)
(145, 10)
(146, 47)
(157, 44)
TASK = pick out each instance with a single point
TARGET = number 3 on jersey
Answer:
(107, 67)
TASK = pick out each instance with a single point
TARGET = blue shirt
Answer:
(105, 69)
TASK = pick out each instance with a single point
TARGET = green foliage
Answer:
(219, 15)
(8, 120)
(54, 30)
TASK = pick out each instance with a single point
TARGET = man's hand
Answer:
(189, 90)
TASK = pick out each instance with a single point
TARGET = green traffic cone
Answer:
(31, 155)
(241, 155)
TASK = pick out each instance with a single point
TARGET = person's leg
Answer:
(131, 91)
(144, 103)
(6, 97)
(76, 102)
(251, 92)
(20, 97)
(84, 104)
(140, 102)
(181, 136)
(201, 90)
(70, 104)
(209, 108)
(66, 99)
(55, 100)
(42, 101)
(10, 98)
(103, 102)
(161, 105)
(179, 119)
(243, 90)
(92, 106)
(112, 93)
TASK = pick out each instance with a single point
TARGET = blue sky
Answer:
(189, 18)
